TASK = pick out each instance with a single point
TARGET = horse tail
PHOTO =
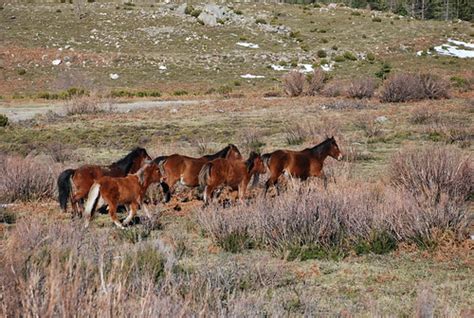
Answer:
(266, 159)
(64, 187)
(204, 175)
(94, 194)
(160, 161)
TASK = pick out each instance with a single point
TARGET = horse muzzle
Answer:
(339, 158)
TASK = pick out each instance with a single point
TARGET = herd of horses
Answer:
(126, 181)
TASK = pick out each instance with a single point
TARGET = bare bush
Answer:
(402, 88)
(293, 83)
(411, 87)
(203, 145)
(369, 125)
(361, 88)
(423, 115)
(81, 105)
(316, 82)
(433, 86)
(333, 90)
(433, 172)
(26, 179)
(252, 140)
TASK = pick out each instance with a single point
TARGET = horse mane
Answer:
(249, 163)
(126, 163)
(321, 146)
(220, 154)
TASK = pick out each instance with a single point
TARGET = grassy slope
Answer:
(110, 40)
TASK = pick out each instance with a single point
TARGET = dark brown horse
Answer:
(235, 173)
(74, 184)
(300, 164)
(186, 169)
(115, 191)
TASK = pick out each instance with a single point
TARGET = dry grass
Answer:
(361, 88)
(80, 105)
(293, 83)
(27, 179)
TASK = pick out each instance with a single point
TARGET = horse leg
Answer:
(208, 191)
(132, 213)
(113, 215)
(242, 189)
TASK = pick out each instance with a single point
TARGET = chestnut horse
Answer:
(74, 184)
(186, 169)
(300, 164)
(115, 191)
(233, 173)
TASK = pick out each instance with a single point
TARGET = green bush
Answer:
(225, 89)
(180, 92)
(196, 13)
(3, 120)
(370, 57)
(379, 243)
(188, 10)
(377, 19)
(21, 71)
(260, 21)
(334, 47)
(322, 53)
(324, 40)
(350, 56)
(385, 69)
(339, 58)
(355, 13)
(238, 12)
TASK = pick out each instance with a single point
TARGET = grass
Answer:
(134, 58)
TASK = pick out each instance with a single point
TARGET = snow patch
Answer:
(114, 76)
(328, 67)
(249, 45)
(162, 67)
(56, 62)
(456, 48)
(252, 76)
(279, 67)
(306, 68)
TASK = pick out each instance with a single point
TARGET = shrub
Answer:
(295, 135)
(376, 19)
(433, 86)
(21, 71)
(84, 105)
(462, 83)
(252, 140)
(384, 71)
(188, 9)
(322, 53)
(293, 83)
(370, 57)
(339, 58)
(316, 82)
(27, 179)
(433, 172)
(350, 56)
(195, 13)
(332, 90)
(3, 120)
(402, 88)
(423, 115)
(238, 12)
(355, 13)
(180, 92)
(361, 88)
(260, 21)
(225, 89)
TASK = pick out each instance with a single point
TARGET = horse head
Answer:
(334, 149)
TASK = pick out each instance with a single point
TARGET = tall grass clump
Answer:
(27, 179)
(86, 105)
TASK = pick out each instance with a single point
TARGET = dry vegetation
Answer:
(389, 236)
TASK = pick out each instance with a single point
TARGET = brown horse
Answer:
(300, 164)
(115, 191)
(233, 173)
(186, 169)
(74, 184)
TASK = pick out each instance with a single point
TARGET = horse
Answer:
(115, 191)
(186, 169)
(300, 164)
(233, 173)
(74, 184)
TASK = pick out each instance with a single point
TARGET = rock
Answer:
(207, 18)
(56, 62)
(181, 9)
(114, 76)
(217, 11)
(381, 119)
(332, 6)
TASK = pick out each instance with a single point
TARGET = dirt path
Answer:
(27, 111)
